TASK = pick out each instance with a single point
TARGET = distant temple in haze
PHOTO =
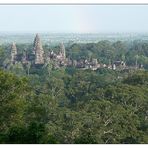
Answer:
(38, 57)
(13, 53)
(38, 50)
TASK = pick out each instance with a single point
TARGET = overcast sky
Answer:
(74, 18)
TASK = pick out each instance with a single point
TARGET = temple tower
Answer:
(24, 58)
(13, 52)
(38, 50)
(62, 50)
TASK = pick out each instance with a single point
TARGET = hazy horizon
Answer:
(74, 19)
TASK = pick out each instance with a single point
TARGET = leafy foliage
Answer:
(40, 104)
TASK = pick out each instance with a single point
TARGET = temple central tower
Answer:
(62, 50)
(13, 52)
(38, 50)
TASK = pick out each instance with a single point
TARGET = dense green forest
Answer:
(70, 105)
(106, 51)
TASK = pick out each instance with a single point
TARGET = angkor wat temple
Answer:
(38, 57)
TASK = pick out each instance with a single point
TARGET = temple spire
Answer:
(62, 50)
(38, 49)
(13, 52)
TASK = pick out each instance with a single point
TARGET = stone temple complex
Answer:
(39, 58)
